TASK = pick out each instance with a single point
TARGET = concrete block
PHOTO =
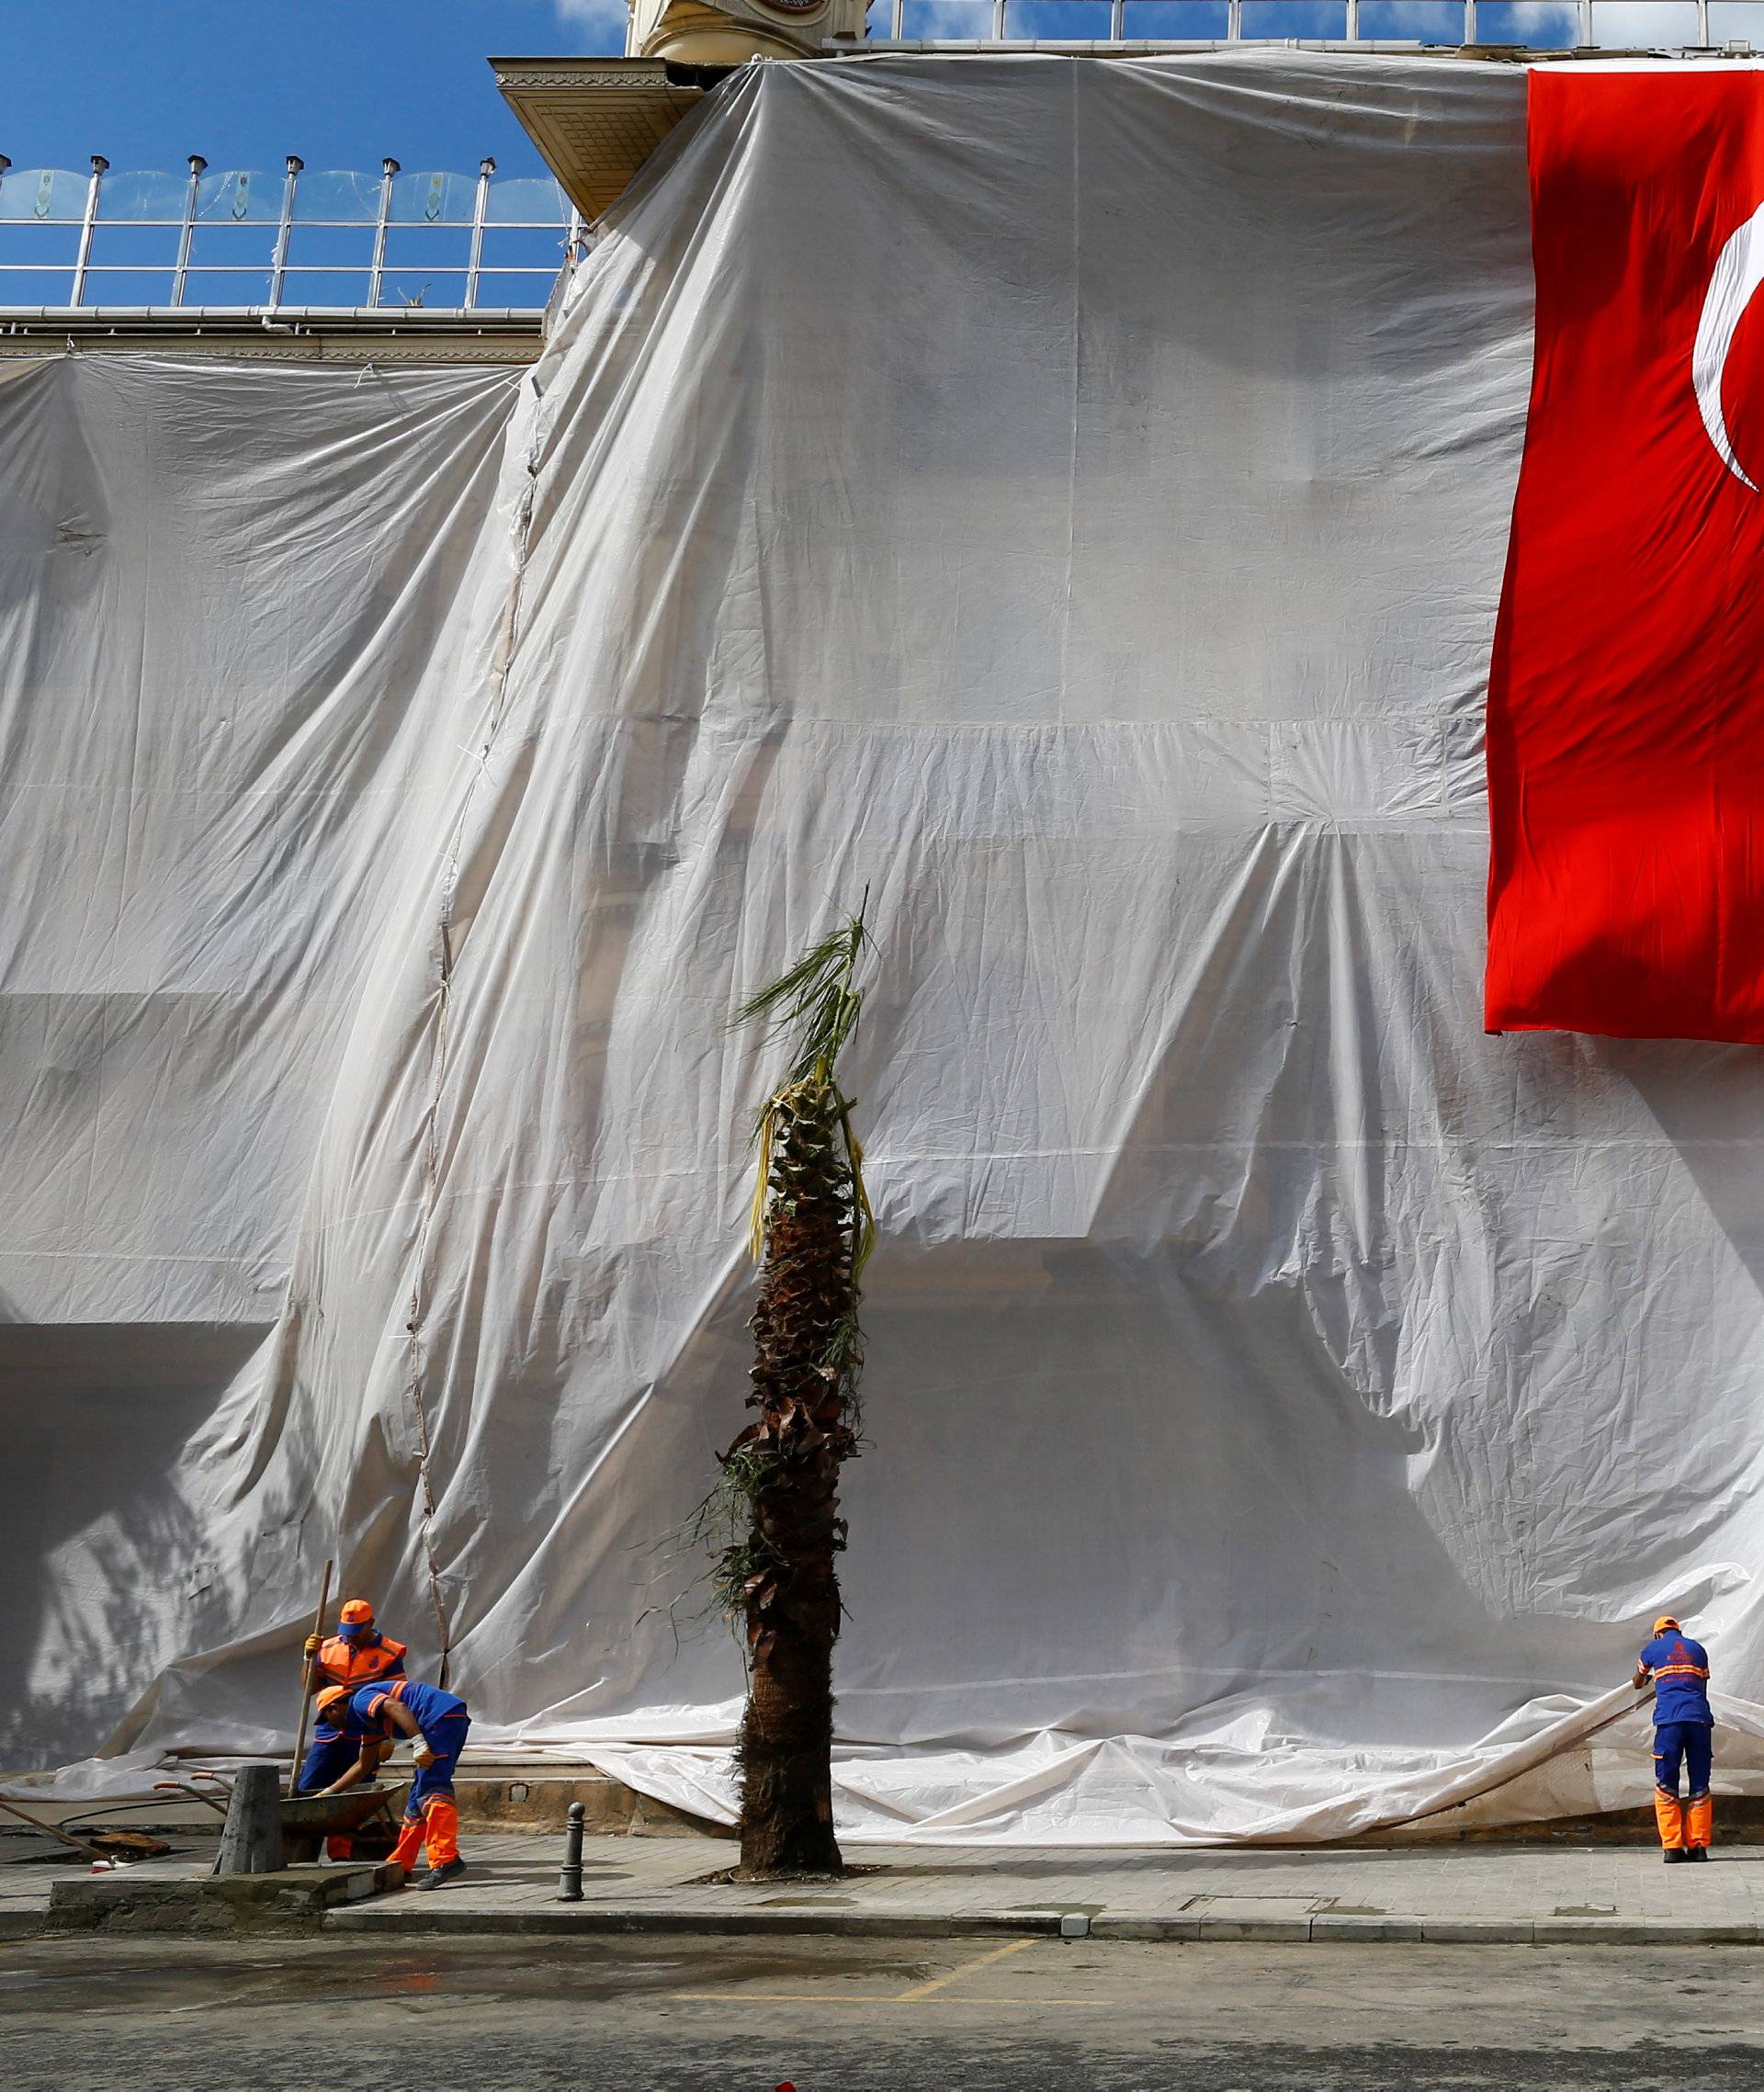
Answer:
(294, 1898)
(1038, 1924)
(1478, 1931)
(1075, 1925)
(1108, 1927)
(1588, 1931)
(1325, 1927)
(1294, 1931)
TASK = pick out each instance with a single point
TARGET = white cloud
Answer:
(596, 26)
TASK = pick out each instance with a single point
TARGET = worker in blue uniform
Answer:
(356, 1655)
(1684, 1731)
(374, 1717)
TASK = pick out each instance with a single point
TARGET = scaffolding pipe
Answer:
(388, 170)
(87, 222)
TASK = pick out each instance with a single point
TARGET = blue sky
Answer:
(342, 82)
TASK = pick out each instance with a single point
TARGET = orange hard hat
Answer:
(1663, 1622)
(330, 1697)
(356, 1613)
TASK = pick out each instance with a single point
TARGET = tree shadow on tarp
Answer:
(101, 1554)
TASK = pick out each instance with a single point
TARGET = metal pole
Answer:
(1703, 25)
(570, 1879)
(278, 265)
(388, 168)
(1117, 20)
(481, 204)
(181, 273)
(1352, 26)
(84, 254)
(897, 21)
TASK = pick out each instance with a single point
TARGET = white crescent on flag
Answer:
(1739, 269)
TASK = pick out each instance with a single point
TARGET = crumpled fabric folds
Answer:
(1069, 500)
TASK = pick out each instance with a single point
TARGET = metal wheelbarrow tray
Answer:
(308, 1819)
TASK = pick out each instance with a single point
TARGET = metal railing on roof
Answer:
(1534, 25)
(241, 239)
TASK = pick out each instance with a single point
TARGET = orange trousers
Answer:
(1683, 1823)
(437, 1827)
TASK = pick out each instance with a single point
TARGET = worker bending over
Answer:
(1684, 1731)
(374, 1717)
(356, 1655)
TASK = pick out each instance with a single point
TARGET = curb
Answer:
(399, 1915)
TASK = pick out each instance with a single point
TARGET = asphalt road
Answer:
(657, 2013)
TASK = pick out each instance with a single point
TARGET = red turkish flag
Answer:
(1627, 696)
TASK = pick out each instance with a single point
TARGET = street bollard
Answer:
(570, 1880)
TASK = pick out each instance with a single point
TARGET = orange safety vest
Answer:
(352, 1664)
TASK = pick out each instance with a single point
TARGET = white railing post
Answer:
(1234, 21)
(1583, 29)
(1469, 21)
(1703, 25)
(187, 232)
(481, 204)
(1351, 25)
(83, 256)
(387, 169)
(278, 264)
(898, 21)
(1117, 21)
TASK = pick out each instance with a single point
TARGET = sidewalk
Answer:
(1464, 1895)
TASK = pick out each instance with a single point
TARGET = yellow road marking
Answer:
(967, 1968)
(916, 1995)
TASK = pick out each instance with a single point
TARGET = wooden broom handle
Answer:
(308, 1671)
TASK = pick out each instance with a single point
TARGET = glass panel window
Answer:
(1058, 21)
(527, 202)
(42, 193)
(1315, 20)
(1176, 21)
(240, 196)
(1740, 21)
(1545, 25)
(1412, 21)
(1645, 25)
(142, 195)
(947, 21)
(332, 193)
(433, 200)
(878, 20)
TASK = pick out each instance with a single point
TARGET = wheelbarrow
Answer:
(308, 1819)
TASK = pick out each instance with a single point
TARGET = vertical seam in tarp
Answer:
(432, 1116)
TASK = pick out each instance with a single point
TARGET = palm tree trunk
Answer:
(804, 1330)
(812, 1229)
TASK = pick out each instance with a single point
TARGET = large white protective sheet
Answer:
(1067, 499)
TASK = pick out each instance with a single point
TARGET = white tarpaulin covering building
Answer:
(1068, 498)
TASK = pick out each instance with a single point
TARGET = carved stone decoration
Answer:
(695, 32)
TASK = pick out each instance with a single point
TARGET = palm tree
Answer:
(811, 1232)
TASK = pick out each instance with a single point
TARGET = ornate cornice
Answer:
(595, 120)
